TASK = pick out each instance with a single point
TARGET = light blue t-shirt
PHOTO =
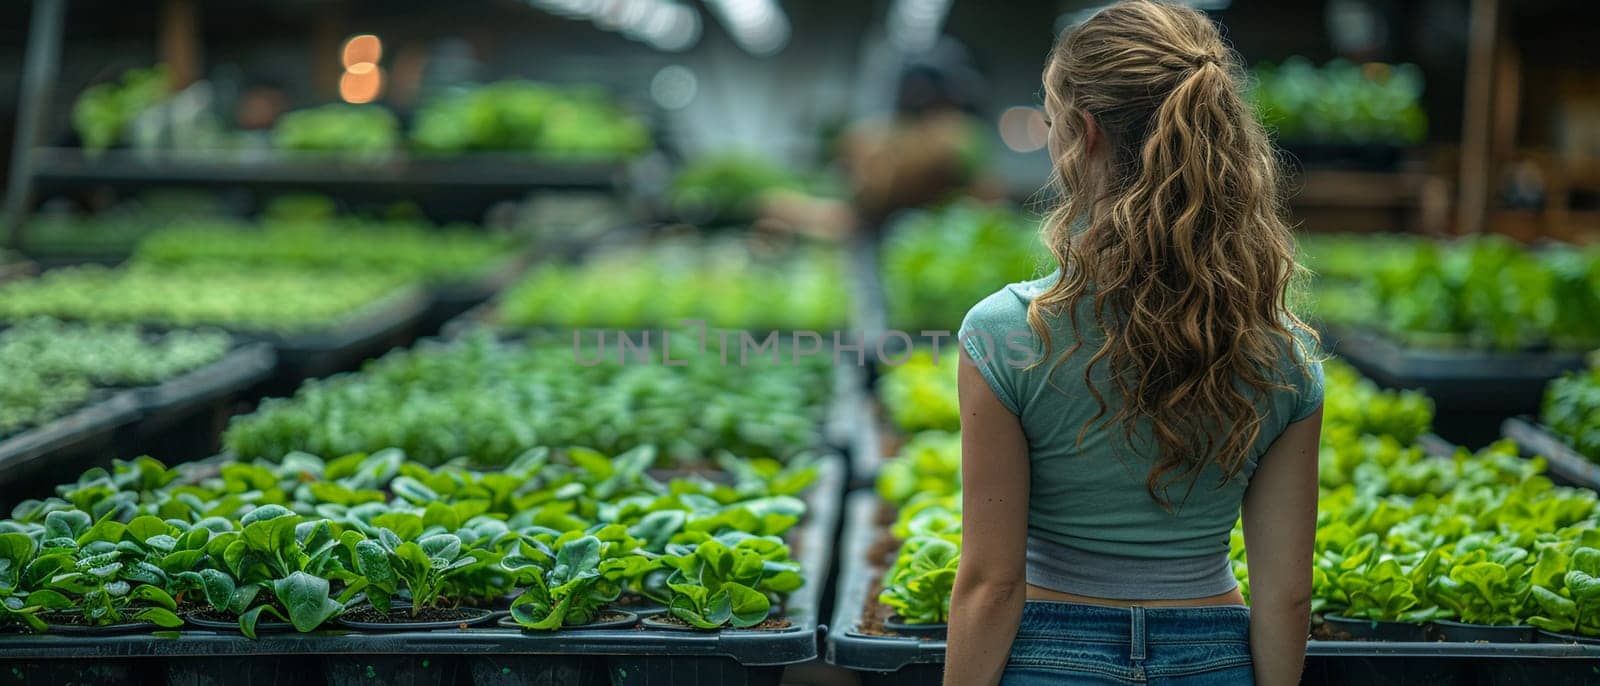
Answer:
(1093, 528)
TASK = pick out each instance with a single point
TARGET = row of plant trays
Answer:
(1474, 390)
(633, 645)
(864, 638)
(100, 425)
(847, 413)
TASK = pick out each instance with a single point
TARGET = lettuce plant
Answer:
(918, 586)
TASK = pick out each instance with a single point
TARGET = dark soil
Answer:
(1326, 632)
(78, 619)
(368, 613)
(882, 551)
(628, 601)
(606, 616)
(767, 624)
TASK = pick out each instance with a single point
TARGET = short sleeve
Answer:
(1311, 387)
(989, 335)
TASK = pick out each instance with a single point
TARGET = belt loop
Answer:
(1136, 649)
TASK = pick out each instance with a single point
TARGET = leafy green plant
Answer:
(491, 402)
(412, 250)
(937, 264)
(423, 568)
(726, 283)
(920, 393)
(918, 586)
(1341, 102)
(103, 111)
(255, 300)
(582, 576)
(522, 116)
(727, 186)
(361, 130)
(715, 585)
(930, 463)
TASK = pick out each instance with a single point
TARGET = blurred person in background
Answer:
(1166, 388)
(930, 149)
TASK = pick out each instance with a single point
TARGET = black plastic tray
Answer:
(866, 446)
(386, 323)
(86, 430)
(633, 656)
(1473, 390)
(19, 269)
(166, 403)
(448, 299)
(1564, 463)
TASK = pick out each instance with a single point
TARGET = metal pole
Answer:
(39, 73)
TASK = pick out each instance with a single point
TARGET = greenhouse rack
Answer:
(88, 430)
(450, 298)
(514, 172)
(165, 403)
(1473, 390)
(1563, 462)
(895, 660)
(383, 324)
(631, 657)
(19, 269)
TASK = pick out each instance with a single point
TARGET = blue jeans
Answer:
(1090, 645)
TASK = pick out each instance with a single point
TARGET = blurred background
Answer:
(282, 167)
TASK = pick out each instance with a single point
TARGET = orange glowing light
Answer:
(361, 83)
(362, 48)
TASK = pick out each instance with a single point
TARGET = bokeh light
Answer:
(1023, 129)
(362, 48)
(674, 87)
(361, 83)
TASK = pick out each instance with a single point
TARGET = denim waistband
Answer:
(1074, 621)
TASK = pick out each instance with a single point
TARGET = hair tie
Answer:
(1202, 60)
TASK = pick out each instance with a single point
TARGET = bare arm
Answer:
(1280, 523)
(991, 586)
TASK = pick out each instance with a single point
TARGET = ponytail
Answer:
(1183, 239)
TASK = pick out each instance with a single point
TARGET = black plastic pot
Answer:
(644, 608)
(898, 625)
(105, 630)
(262, 627)
(1543, 636)
(537, 670)
(1372, 630)
(478, 616)
(660, 622)
(626, 620)
(1460, 632)
(392, 670)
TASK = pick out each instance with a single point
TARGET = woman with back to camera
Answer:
(1169, 389)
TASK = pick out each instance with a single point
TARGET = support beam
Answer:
(1477, 118)
(40, 69)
